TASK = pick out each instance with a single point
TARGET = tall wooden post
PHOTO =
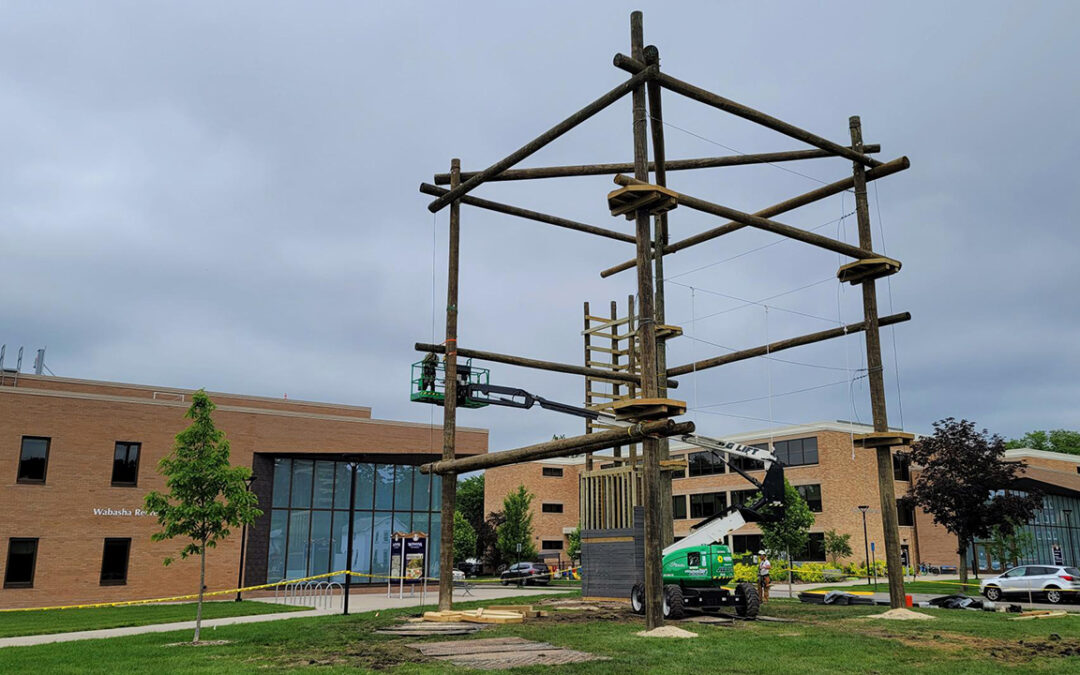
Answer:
(877, 383)
(588, 396)
(449, 481)
(654, 584)
(616, 388)
(660, 241)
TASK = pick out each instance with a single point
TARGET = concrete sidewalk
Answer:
(358, 603)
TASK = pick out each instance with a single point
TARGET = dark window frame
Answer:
(33, 563)
(904, 513)
(556, 507)
(718, 500)
(547, 544)
(809, 503)
(551, 472)
(127, 562)
(901, 467)
(677, 512)
(44, 472)
(138, 458)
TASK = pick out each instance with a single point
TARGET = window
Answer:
(901, 467)
(746, 543)
(747, 464)
(905, 514)
(811, 494)
(551, 544)
(21, 558)
(678, 507)
(797, 452)
(814, 549)
(742, 497)
(33, 459)
(693, 559)
(706, 505)
(125, 469)
(704, 464)
(552, 472)
(114, 562)
(551, 508)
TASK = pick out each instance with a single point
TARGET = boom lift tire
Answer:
(747, 602)
(674, 607)
(637, 599)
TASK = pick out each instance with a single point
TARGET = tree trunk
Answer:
(962, 550)
(202, 587)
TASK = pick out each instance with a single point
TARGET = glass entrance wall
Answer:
(309, 518)
(1055, 528)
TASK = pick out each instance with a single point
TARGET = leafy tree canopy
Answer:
(963, 481)
(1055, 440)
(470, 499)
(792, 531)
(517, 527)
(837, 545)
(464, 538)
(573, 546)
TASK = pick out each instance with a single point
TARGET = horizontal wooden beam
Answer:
(750, 219)
(543, 139)
(611, 169)
(538, 364)
(509, 210)
(727, 105)
(781, 345)
(887, 169)
(562, 447)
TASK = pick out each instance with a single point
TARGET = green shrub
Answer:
(810, 572)
(745, 572)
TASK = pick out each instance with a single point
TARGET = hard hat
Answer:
(761, 552)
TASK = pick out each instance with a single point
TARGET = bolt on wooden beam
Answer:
(542, 140)
(509, 210)
(780, 345)
(562, 447)
(610, 169)
(688, 90)
(537, 364)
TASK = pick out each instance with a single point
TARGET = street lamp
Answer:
(866, 542)
(243, 541)
(1068, 528)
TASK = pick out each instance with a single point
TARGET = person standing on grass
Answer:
(764, 570)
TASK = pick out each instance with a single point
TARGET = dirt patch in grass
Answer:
(370, 654)
(1006, 651)
(200, 643)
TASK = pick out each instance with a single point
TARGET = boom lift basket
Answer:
(428, 383)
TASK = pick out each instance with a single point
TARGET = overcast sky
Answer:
(224, 195)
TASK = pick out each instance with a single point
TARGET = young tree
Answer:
(464, 538)
(206, 496)
(1056, 440)
(792, 531)
(837, 546)
(963, 484)
(573, 545)
(487, 540)
(517, 528)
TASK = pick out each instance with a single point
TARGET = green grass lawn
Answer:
(38, 622)
(821, 640)
(935, 587)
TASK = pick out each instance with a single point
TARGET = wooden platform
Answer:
(867, 270)
(666, 332)
(627, 200)
(475, 616)
(641, 409)
(502, 653)
(883, 439)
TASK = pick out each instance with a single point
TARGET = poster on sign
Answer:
(1059, 557)
(415, 553)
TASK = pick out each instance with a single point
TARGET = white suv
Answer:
(1055, 582)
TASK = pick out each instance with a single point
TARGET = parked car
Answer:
(1054, 582)
(471, 567)
(526, 573)
(459, 576)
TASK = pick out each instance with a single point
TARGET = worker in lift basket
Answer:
(427, 372)
(763, 570)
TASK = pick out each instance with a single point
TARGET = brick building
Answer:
(832, 476)
(78, 456)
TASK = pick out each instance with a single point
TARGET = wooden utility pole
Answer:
(877, 383)
(449, 481)
(654, 584)
(660, 241)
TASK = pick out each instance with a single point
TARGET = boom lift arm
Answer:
(706, 532)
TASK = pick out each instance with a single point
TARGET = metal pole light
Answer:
(866, 542)
(1068, 528)
(243, 542)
